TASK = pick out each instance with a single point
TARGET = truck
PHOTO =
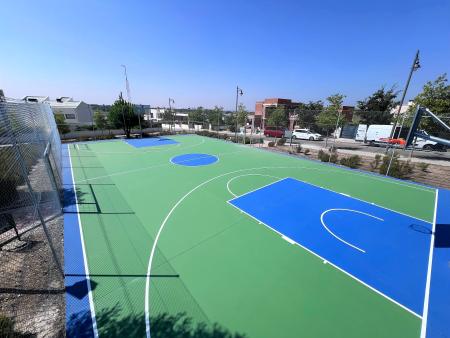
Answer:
(377, 132)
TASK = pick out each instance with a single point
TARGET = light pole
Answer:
(415, 65)
(170, 110)
(238, 92)
(127, 85)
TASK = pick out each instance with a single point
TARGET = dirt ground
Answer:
(31, 286)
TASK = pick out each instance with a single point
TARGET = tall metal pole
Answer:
(238, 91)
(415, 65)
(173, 115)
(127, 86)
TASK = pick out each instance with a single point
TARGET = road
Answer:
(360, 147)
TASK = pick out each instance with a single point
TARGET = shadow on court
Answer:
(113, 324)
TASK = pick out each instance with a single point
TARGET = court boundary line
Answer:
(330, 263)
(152, 150)
(398, 181)
(86, 268)
(423, 329)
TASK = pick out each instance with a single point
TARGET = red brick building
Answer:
(263, 109)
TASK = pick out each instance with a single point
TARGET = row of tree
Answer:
(375, 109)
(316, 115)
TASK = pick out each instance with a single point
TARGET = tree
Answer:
(121, 115)
(230, 121)
(215, 115)
(277, 117)
(63, 128)
(242, 114)
(376, 109)
(435, 96)
(198, 115)
(328, 117)
(100, 120)
(307, 112)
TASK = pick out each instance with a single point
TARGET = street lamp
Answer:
(170, 110)
(238, 92)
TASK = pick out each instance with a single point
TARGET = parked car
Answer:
(423, 144)
(305, 134)
(274, 131)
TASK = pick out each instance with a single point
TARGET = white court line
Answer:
(194, 159)
(126, 172)
(154, 149)
(228, 183)
(336, 236)
(356, 198)
(423, 330)
(86, 268)
(332, 264)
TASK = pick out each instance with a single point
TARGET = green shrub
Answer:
(334, 158)
(353, 161)
(281, 141)
(398, 169)
(306, 151)
(423, 166)
(271, 144)
(7, 329)
(328, 157)
(376, 162)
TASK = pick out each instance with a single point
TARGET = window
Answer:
(69, 116)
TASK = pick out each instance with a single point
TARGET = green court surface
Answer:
(213, 262)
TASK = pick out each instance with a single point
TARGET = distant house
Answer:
(264, 108)
(154, 114)
(74, 112)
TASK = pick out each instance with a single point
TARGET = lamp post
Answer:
(238, 92)
(170, 110)
(415, 66)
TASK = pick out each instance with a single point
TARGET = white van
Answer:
(376, 132)
(361, 132)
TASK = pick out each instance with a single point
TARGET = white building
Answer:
(155, 114)
(74, 112)
(403, 109)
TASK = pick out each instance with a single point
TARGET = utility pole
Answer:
(127, 86)
(238, 92)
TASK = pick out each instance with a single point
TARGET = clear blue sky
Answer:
(198, 51)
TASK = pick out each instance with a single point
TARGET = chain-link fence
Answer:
(31, 224)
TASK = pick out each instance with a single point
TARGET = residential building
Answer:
(74, 112)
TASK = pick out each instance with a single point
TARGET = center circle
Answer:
(194, 159)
